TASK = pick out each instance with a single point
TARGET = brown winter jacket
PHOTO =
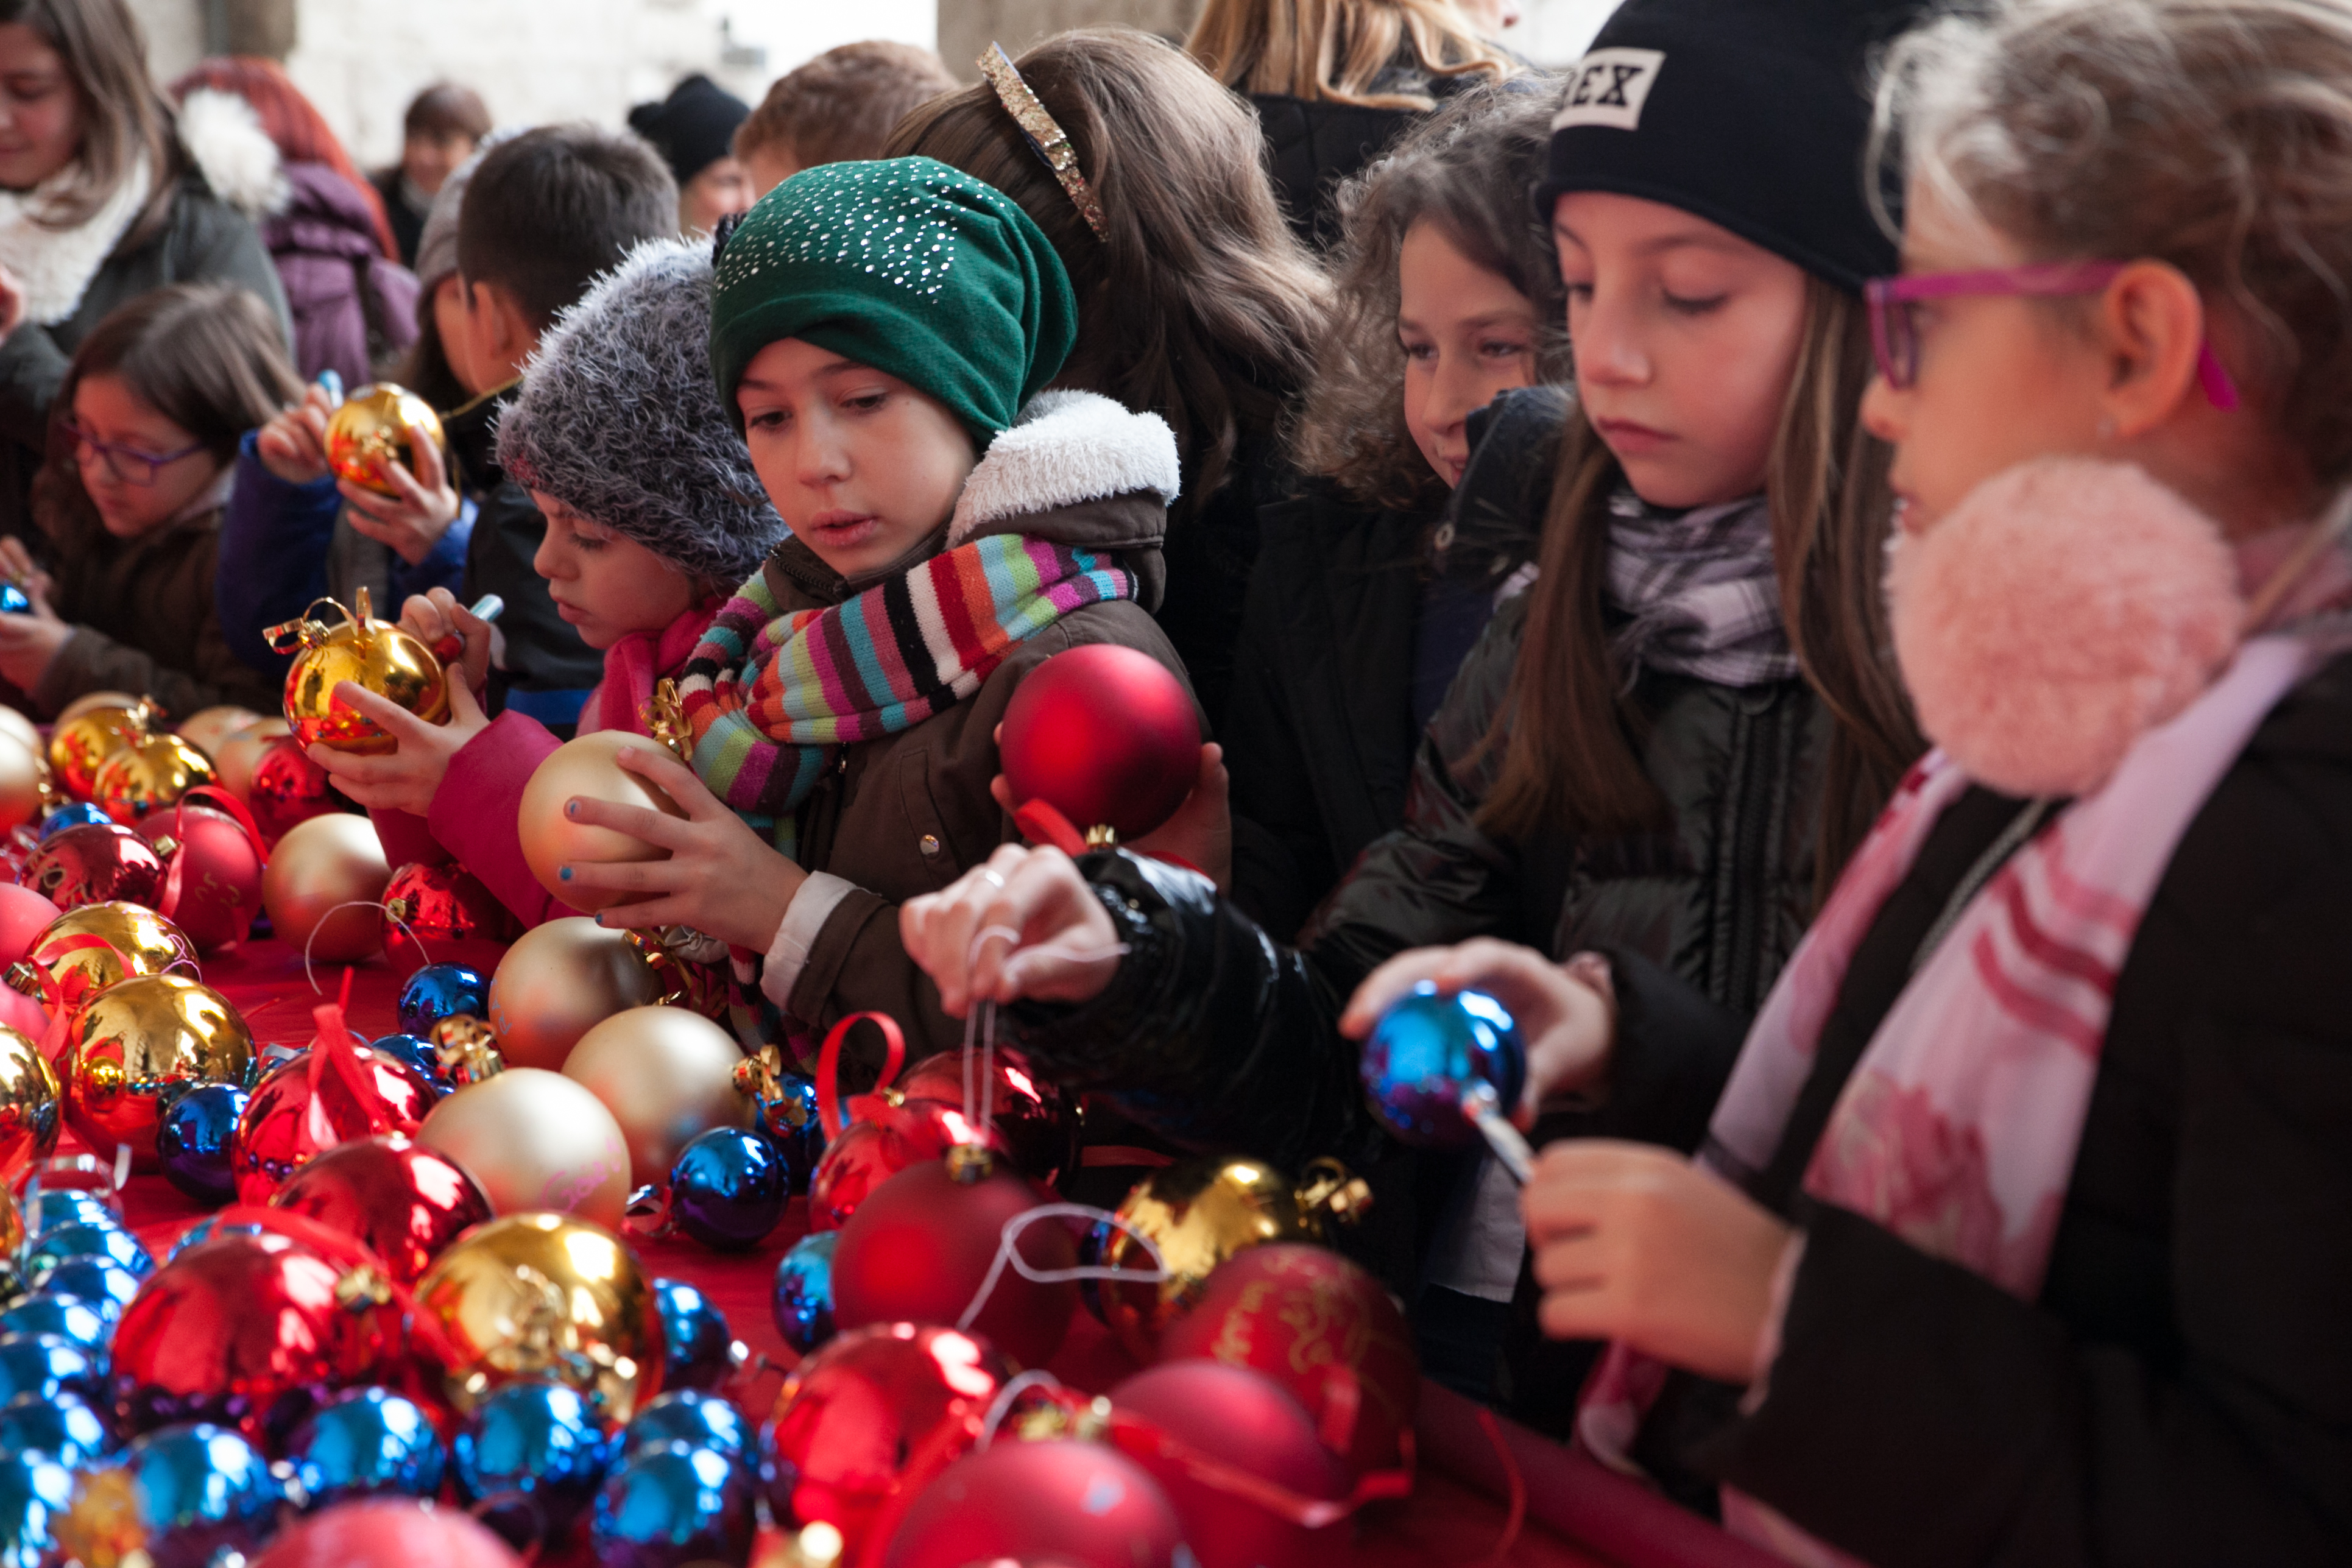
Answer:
(910, 813)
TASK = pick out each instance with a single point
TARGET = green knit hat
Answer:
(905, 265)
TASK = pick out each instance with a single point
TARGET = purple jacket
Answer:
(352, 307)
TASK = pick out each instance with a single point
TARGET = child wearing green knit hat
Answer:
(881, 331)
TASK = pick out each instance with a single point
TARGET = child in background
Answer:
(840, 105)
(691, 129)
(443, 128)
(882, 331)
(653, 513)
(129, 505)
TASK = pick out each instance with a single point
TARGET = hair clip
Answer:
(1047, 137)
(724, 231)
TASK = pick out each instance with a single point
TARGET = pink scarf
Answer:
(1959, 1129)
(634, 664)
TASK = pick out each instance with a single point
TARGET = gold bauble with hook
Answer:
(29, 1111)
(79, 746)
(134, 1042)
(373, 654)
(138, 941)
(372, 428)
(148, 774)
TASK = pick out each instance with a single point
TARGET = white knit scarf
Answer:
(54, 266)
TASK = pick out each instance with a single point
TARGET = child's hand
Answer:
(29, 641)
(412, 522)
(435, 615)
(294, 445)
(720, 878)
(406, 778)
(1201, 834)
(1023, 924)
(18, 567)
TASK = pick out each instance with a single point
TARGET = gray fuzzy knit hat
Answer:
(618, 417)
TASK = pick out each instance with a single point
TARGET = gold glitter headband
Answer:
(1046, 136)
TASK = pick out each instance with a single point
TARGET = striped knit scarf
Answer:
(771, 695)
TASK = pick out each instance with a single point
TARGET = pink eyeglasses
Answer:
(1895, 333)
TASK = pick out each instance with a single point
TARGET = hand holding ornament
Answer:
(407, 777)
(435, 618)
(411, 519)
(1023, 924)
(1201, 834)
(293, 445)
(30, 639)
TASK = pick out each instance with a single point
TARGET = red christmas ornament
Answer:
(922, 1244)
(287, 787)
(447, 903)
(336, 1090)
(1322, 1328)
(1107, 736)
(25, 914)
(96, 863)
(401, 1201)
(888, 1139)
(1238, 1458)
(1032, 1120)
(212, 884)
(250, 1332)
(865, 1422)
(1064, 1502)
(388, 1532)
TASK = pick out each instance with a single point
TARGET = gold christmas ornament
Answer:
(545, 1296)
(1199, 1213)
(89, 699)
(665, 1074)
(24, 781)
(367, 652)
(238, 755)
(138, 941)
(535, 1139)
(558, 982)
(550, 840)
(79, 744)
(134, 1041)
(148, 774)
(29, 1112)
(371, 427)
(320, 863)
(208, 728)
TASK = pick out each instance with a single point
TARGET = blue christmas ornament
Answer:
(418, 1054)
(71, 1319)
(36, 1489)
(363, 1443)
(47, 1365)
(529, 1461)
(50, 1207)
(672, 1504)
(794, 1127)
(196, 1493)
(697, 1351)
(439, 990)
(1429, 1052)
(65, 1428)
(193, 1141)
(728, 1188)
(80, 814)
(206, 1228)
(104, 1284)
(703, 1420)
(804, 1298)
(77, 1243)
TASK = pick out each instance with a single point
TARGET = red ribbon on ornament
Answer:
(829, 1106)
(1042, 822)
(333, 1049)
(168, 902)
(1146, 1439)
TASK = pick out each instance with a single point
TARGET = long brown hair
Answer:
(1333, 51)
(1197, 304)
(1570, 730)
(124, 117)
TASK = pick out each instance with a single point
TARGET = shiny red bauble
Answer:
(1034, 1122)
(388, 1532)
(287, 787)
(447, 903)
(93, 864)
(250, 1332)
(887, 1139)
(213, 879)
(1106, 735)
(1205, 1424)
(1079, 1504)
(25, 914)
(309, 1104)
(400, 1200)
(866, 1421)
(1322, 1328)
(924, 1242)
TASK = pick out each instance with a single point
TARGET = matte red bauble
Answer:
(1035, 1122)
(1106, 735)
(401, 1201)
(329, 1093)
(25, 914)
(447, 903)
(871, 1151)
(249, 1332)
(213, 879)
(921, 1245)
(1064, 1502)
(388, 1532)
(1235, 1422)
(1314, 1322)
(287, 787)
(96, 863)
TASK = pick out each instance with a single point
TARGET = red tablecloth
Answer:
(1577, 1515)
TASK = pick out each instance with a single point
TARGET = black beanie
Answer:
(1749, 114)
(693, 128)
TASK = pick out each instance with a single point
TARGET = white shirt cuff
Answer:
(813, 904)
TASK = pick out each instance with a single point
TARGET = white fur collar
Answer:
(1066, 448)
(52, 266)
(237, 159)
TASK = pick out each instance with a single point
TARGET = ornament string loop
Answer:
(1002, 1406)
(1009, 1254)
(385, 910)
(828, 1065)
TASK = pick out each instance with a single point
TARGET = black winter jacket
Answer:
(1313, 145)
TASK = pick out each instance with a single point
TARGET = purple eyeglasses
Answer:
(129, 465)
(1895, 333)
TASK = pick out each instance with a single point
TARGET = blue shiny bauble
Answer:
(71, 1319)
(704, 1420)
(53, 1207)
(1425, 1053)
(205, 1230)
(440, 990)
(104, 1284)
(36, 1489)
(529, 1460)
(671, 1504)
(418, 1054)
(47, 1365)
(365, 1442)
(66, 1427)
(804, 1297)
(194, 1137)
(697, 1351)
(795, 1128)
(81, 814)
(728, 1188)
(201, 1491)
(77, 1243)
